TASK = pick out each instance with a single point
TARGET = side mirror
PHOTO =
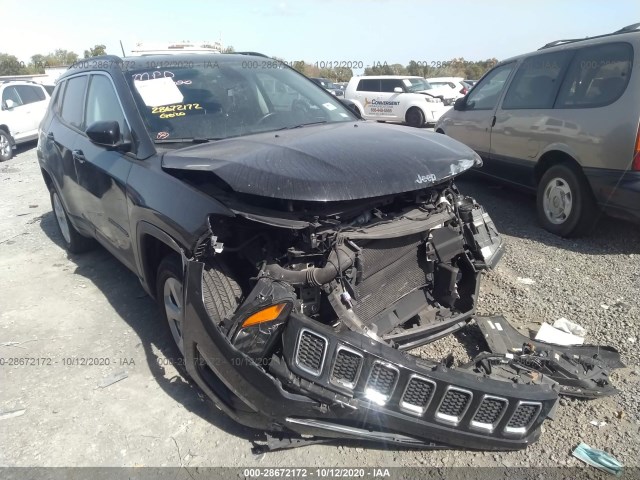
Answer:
(107, 134)
(460, 103)
(351, 106)
(9, 104)
(398, 90)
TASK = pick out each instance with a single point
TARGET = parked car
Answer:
(295, 253)
(563, 121)
(22, 106)
(395, 98)
(329, 86)
(457, 84)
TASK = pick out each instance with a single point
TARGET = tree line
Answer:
(457, 67)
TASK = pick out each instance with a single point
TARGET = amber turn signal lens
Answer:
(265, 315)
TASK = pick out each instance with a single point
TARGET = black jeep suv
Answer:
(296, 251)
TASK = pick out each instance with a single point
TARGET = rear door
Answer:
(526, 117)
(392, 105)
(36, 100)
(472, 126)
(59, 142)
(367, 91)
(102, 173)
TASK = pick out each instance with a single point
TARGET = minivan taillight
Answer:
(463, 91)
(636, 154)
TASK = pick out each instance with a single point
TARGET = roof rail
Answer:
(255, 54)
(629, 28)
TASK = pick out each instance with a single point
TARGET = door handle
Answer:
(79, 156)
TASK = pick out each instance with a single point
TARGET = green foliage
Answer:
(10, 65)
(95, 51)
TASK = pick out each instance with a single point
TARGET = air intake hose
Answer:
(339, 260)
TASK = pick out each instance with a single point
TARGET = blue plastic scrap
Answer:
(599, 459)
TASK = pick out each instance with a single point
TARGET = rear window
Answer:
(598, 76)
(537, 80)
(369, 85)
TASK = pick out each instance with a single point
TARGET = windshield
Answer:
(416, 84)
(221, 99)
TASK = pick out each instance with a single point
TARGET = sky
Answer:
(363, 31)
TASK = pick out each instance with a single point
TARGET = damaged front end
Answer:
(316, 346)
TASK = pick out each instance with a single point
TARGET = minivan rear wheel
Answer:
(565, 203)
(414, 117)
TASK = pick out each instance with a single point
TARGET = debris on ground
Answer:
(12, 413)
(549, 334)
(597, 423)
(111, 379)
(599, 459)
(525, 281)
(570, 327)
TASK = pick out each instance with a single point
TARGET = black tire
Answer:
(220, 292)
(6, 146)
(558, 184)
(414, 117)
(74, 241)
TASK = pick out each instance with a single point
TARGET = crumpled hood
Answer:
(333, 162)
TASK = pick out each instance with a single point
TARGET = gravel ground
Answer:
(54, 306)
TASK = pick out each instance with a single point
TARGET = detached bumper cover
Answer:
(348, 386)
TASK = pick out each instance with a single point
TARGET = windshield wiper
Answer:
(303, 125)
(185, 140)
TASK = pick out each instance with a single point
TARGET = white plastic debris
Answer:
(631, 340)
(605, 307)
(549, 334)
(598, 424)
(12, 413)
(525, 281)
(569, 327)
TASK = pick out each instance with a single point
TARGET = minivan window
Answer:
(30, 94)
(368, 85)
(103, 104)
(597, 77)
(536, 81)
(387, 85)
(486, 92)
(73, 101)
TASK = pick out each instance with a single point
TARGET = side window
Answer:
(536, 81)
(72, 103)
(597, 77)
(369, 85)
(58, 94)
(10, 93)
(485, 94)
(30, 94)
(387, 85)
(103, 103)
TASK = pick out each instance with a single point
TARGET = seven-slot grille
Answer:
(382, 380)
(417, 395)
(418, 392)
(522, 418)
(346, 367)
(454, 405)
(311, 351)
(489, 413)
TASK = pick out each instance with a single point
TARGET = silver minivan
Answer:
(563, 121)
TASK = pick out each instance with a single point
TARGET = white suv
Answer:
(395, 98)
(22, 107)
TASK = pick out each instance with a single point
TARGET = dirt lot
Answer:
(68, 324)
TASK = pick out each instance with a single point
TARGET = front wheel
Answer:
(6, 148)
(565, 203)
(415, 117)
(220, 292)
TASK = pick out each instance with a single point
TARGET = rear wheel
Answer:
(565, 202)
(6, 149)
(74, 241)
(415, 117)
